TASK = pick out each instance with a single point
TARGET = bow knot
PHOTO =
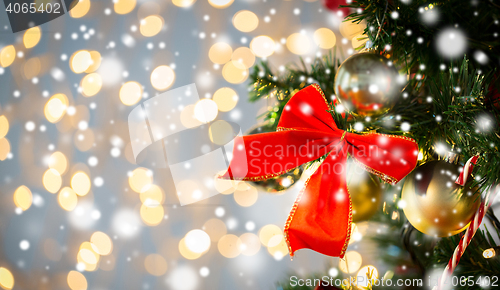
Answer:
(321, 216)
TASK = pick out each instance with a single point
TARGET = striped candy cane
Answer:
(467, 238)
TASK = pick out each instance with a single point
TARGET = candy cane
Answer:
(467, 238)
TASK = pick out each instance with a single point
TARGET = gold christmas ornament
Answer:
(434, 204)
(365, 190)
(368, 84)
(278, 183)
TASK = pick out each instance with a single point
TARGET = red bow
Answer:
(322, 214)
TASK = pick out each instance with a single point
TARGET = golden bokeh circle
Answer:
(226, 99)
(220, 4)
(234, 74)
(141, 179)
(299, 44)
(91, 84)
(188, 118)
(80, 182)
(84, 140)
(183, 3)
(153, 193)
(250, 244)
(32, 37)
(4, 126)
(4, 148)
(220, 53)
(155, 264)
(59, 162)
(186, 252)
(262, 46)
(80, 61)
(215, 228)
(67, 199)
(7, 55)
(221, 132)
(55, 108)
(243, 57)
(267, 233)
(351, 263)
(76, 281)
(151, 25)
(324, 38)
(205, 110)
(247, 197)
(81, 8)
(162, 77)
(101, 243)
(124, 6)
(245, 21)
(95, 62)
(23, 197)
(6, 279)
(152, 215)
(130, 93)
(229, 246)
(52, 180)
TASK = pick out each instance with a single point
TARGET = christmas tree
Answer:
(448, 52)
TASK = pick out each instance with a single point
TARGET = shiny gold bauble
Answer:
(365, 190)
(278, 183)
(434, 204)
(368, 84)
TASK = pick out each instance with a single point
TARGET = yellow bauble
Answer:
(278, 183)
(434, 204)
(365, 190)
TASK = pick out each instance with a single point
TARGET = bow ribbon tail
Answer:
(321, 216)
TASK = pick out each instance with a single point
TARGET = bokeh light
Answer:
(226, 99)
(245, 21)
(80, 182)
(55, 108)
(151, 25)
(4, 148)
(359, 40)
(76, 281)
(23, 197)
(4, 126)
(101, 243)
(32, 37)
(220, 4)
(154, 194)
(141, 179)
(183, 3)
(324, 38)
(299, 43)
(243, 57)
(186, 252)
(6, 279)
(215, 228)
(124, 6)
(188, 118)
(349, 29)
(262, 46)
(197, 241)
(250, 244)
(67, 199)
(7, 55)
(130, 93)
(365, 272)
(246, 197)
(205, 110)
(95, 62)
(80, 61)
(220, 53)
(81, 8)
(351, 262)
(267, 232)
(234, 74)
(229, 246)
(52, 180)
(91, 84)
(162, 77)
(155, 264)
(58, 162)
(152, 214)
(221, 132)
